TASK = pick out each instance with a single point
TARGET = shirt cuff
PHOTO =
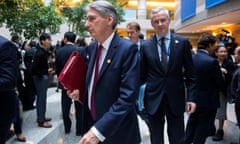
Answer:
(98, 134)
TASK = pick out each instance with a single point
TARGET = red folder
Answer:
(73, 74)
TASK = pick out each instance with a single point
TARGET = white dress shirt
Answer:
(106, 45)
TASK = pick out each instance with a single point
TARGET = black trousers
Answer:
(17, 121)
(66, 105)
(237, 111)
(199, 125)
(7, 112)
(30, 92)
(175, 128)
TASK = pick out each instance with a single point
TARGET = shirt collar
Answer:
(107, 42)
(70, 43)
(167, 37)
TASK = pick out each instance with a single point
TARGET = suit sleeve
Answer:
(143, 65)
(190, 74)
(8, 66)
(125, 104)
(58, 65)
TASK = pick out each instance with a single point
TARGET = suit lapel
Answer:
(155, 50)
(110, 55)
(172, 47)
(93, 51)
(107, 60)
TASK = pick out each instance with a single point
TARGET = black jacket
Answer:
(40, 62)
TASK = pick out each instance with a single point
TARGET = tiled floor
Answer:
(55, 135)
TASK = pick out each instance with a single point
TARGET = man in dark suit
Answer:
(112, 81)
(8, 81)
(165, 58)
(62, 55)
(209, 83)
(235, 89)
(133, 30)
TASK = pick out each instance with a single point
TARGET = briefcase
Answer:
(73, 74)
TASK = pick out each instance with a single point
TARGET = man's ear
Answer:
(110, 20)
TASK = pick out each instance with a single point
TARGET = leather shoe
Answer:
(218, 136)
(44, 124)
(21, 138)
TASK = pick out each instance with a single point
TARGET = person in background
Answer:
(209, 84)
(28, 77)
(227, 68)
(141, 36)
(62, 55)
(112, 81)
(235, 89)
(8, 81)
(133, 30)
(163, 58)
(40, 71)
(17, 122)
(20, 82)
(81, 42)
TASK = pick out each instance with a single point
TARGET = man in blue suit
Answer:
(209, 83)
(165, 62)
(110, 98)
(8, 81)
(62, 55)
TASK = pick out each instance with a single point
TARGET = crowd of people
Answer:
(159, 79)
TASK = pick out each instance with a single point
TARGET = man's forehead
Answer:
(92, 11)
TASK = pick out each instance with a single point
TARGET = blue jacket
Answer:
(172, 81)
(116, 92)
(209, 80)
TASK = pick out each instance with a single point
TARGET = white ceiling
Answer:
(214, 23)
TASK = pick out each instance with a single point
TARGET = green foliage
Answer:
(75, 16)
(119, 8)
(29, 17)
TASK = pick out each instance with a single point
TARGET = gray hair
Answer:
(105, 9)
(156, 10)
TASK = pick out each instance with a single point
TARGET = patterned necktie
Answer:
(164, 60)
(93, 111)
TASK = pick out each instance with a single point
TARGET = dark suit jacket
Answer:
(62, 55)
(116, 92)
(8, 78)
(235, 86)
(229, 66)
(209, 80)
(171, 82)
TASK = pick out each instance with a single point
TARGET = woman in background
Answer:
(227, 68)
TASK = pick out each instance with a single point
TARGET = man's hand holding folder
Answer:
(73, 76)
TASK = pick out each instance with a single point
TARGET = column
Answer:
(142, 9)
